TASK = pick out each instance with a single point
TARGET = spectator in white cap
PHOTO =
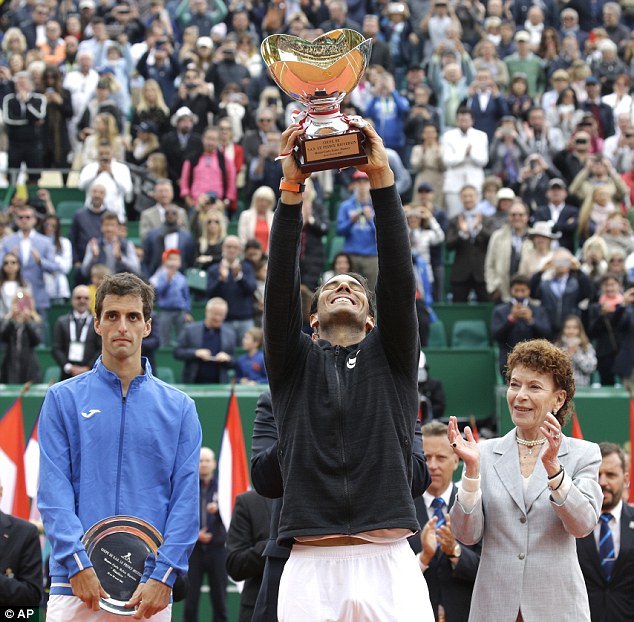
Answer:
(540, 251)
(176, 143)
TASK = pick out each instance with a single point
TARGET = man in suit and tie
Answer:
(207, 347)
(450, 568)
(561, 216)
(76, 345)
(606, 555)
(20, 562)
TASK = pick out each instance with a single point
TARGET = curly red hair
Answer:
(542, 356)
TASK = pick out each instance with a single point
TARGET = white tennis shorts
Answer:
(361, 583)
(70, 609)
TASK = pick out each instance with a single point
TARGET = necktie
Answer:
(606, 546)
(438, 504)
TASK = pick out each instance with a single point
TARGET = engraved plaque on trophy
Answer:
(320, 74)
(117, 548)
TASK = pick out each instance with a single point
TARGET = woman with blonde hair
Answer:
(594, 211)
(104, 129)
(255, 222)
(594, 258)
(574, 340)
(152, 108)
(248, 54)
(214, 231)
(13, 42)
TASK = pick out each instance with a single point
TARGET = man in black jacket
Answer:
(20, 562)
(345, 403)
(518, 320)
(23, 113)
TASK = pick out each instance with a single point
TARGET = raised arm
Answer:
(282, 319)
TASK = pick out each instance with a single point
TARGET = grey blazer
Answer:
(529, 558)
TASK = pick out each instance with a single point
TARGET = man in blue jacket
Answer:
(116, 441)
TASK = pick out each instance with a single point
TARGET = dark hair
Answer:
(364, 283)
(520, 279)
(564, 92)
(57, 243)
(18, 277)
(464, 110)
(125, 284)
(434, 428)
(543, 357)
(253, 243)
(607, 449)
(109, 216)
(610, 276)
(341, 254)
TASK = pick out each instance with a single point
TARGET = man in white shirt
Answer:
(82, 84)
(113, 176)
(606, 555)
(465, 153)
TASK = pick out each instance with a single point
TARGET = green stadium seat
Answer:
(437, 335)
(67, 209)
(51, 375)
(336, 244)
(166, 374)
(470, 334)
(196, 279)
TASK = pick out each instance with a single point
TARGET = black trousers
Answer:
(29, 153)
(266, 604)
(461, 290)
(210, 560)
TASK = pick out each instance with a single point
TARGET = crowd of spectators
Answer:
(509, 126)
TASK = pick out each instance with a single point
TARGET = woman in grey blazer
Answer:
(528, 495)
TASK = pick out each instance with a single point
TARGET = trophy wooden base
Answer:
(331, 151)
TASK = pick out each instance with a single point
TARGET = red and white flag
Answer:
(576, 427)
(32, 469)
(14, 498)
(233, 469)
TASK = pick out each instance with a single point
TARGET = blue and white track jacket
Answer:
(104, 455)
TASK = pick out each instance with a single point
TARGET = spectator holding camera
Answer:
(617, 233)
(562, 287)
(486, 103)
(507, 152)
(160, 63)
(112, 175)
(265, 169)
(208, 170)
(571, 160)
(388, 111)
(151, 108)
(20, 332)
(154, 216)
(619, 147)
(193, 93)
